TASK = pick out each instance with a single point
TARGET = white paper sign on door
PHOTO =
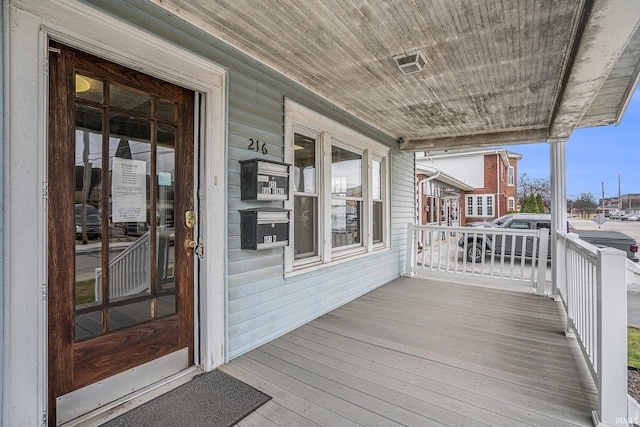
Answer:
(129, 190)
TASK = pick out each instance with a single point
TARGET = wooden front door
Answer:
(120, 199)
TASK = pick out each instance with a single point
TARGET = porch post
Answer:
(557, 150)
(612, 337)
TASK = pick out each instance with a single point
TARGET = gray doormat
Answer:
(211, 399)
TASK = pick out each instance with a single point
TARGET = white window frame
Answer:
(319, 188)
(511, 204)
(480, 205)
(511, 178)
(300, 119)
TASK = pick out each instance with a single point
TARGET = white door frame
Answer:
(28, 27)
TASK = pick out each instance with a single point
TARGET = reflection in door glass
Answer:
(165, 160)
(88, 247)
(129, 162)
(136, 228)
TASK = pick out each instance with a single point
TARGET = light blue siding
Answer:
(261, 303)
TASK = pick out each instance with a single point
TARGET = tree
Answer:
(585, 202)
(532, 203)
(527, 186)
(539, 203)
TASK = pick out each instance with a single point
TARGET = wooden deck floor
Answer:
(423, 353)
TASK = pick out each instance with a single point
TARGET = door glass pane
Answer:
(129, 315)
(166, 306)
(165, 217)
(129, 99)
(88, 88)
(167, 111)
(130, 165)
(304, 164)
(88, 247)
(305, 225)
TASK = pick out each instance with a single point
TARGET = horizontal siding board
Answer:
(259, 291)
(262, 304)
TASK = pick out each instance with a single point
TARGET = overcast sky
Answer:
(594, 156)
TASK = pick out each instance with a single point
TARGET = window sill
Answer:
(337, 260)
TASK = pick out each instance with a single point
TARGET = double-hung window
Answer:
(511, 179)
(340, 192)
(480, 205)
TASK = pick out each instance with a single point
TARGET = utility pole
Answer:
(619, 196)
(603, 199)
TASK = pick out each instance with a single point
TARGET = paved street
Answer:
(632, 229)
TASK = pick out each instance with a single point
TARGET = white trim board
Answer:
(29, 26)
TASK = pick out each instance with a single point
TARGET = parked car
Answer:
(634, 217)
(491, 224)
(611, 239)
(92, 222)
(474, 244)
(616, 215)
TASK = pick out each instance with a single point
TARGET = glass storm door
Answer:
(120, 209)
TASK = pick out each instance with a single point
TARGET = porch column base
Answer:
(595, 416)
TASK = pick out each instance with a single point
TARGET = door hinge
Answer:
(45, 190)
(45, 417)
(44, 292)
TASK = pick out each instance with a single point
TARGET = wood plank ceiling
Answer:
(497, 71)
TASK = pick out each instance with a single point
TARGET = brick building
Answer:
(492, 173)
(439, 197)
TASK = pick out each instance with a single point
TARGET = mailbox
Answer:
(264, 180)
(264, 228)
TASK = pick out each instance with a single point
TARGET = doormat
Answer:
(212, 399)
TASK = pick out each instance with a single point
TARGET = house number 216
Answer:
(257, 146)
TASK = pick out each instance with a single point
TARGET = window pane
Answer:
(376, 177)
(304, 164)
(346, 173)
(130, 100)
(377, 222)
(88, 88)
(305, 225)
(345, 222)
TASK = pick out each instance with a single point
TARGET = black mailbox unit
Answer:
(264, 180)
(264, 228)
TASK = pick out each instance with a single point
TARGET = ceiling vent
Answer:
(411, 62)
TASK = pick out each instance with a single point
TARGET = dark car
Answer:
(474, 244)
(92, 222)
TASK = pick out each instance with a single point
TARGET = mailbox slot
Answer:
(264, 180)
(264, 228)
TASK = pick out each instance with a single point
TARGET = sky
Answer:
(594, 156)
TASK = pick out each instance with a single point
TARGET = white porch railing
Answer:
(593, 288)
(129, 271)
(490, 255)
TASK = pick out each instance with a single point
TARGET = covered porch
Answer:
(425, 352)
